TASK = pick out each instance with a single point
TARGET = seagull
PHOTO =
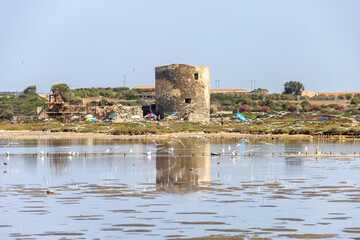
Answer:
(160, 144)
(148, 153)
(40, 154)
(179, 141)
(130, 150)
(107, 150)
(252, 150)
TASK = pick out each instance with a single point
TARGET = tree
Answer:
(30, 89)
(293, 87)
(61, 87)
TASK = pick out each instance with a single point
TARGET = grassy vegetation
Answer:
(24, 105)
(270, 126)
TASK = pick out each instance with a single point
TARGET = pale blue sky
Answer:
(94, 42)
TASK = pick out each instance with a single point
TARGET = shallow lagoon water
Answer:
(117, 191)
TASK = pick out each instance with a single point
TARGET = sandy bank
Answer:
(67, 135)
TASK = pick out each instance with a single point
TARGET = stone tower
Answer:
(183, 90)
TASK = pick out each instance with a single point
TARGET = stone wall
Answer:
(183, 90)
(127, 113)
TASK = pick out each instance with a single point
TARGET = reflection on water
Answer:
(191, 166)
(116, 189)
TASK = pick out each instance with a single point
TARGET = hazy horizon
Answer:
(95, 43)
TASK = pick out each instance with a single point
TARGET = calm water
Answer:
(117, 191)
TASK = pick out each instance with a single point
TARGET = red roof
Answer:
(144, 87)
(336, 93)
(229, 90)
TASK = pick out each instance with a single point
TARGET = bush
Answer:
(291, 107)
(264, 109)
(314, 107)
(6, 115)
(244, 108)
(340, 108)
(305, 104)
(348, 96)
(355, 101)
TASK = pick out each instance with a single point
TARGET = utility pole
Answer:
(124, 79)
(251, 85)
(217, 84)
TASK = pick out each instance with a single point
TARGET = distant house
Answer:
(313, 94)
(336, 93)
(143, 88)
(230, 91)
(308, 93)
(145, 94)
(261, 91)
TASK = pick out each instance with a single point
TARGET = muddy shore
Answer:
(66, 135)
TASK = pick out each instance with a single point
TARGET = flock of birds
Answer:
(165, 147)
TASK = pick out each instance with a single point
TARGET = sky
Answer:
(95, 43)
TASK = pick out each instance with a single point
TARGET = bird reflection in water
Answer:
(185, 169)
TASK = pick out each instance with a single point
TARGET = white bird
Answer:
(148, 153)
(107, 150)
(251, 150)
(179, 141)
(234, 153)
(130, 150)
(40, 154)
(156, 143)
(229, 148)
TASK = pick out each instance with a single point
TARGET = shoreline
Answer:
(27, 134)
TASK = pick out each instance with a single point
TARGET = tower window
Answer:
(187, 100)
(196, 76)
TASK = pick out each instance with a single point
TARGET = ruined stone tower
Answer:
(183, 90)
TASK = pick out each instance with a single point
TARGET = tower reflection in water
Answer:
(188, 166)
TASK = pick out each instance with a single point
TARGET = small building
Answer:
(336, 93)
(183, 90)
(143, 88)
(313, 94)
(230, 91)
(308, 93)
